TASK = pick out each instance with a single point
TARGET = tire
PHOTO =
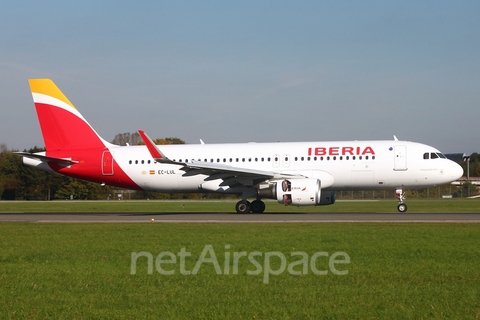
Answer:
(242, 207)
(258, 206)
(402, 207)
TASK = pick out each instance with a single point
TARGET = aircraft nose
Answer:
(456, 171)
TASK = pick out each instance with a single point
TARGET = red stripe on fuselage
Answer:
(89, 167)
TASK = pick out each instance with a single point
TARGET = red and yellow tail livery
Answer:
(72, 146)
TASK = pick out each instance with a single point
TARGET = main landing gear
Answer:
(400, 195)
(245, 206)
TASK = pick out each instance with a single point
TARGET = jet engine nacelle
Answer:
(299, 192)
(328, 197)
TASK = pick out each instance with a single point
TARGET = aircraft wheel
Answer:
(258, 206)
(402, 207)
(242, 206)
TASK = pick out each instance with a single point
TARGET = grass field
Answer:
(83, 271)
(440, 205)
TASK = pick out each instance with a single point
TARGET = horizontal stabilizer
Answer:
(41, 157)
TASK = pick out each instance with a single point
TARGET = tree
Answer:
(174, 140)
(474, 165)
(122, 139)
(169, 140)
(9, 167)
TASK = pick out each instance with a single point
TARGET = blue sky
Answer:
(241, 71)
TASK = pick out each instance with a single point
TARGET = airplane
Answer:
(293, 173)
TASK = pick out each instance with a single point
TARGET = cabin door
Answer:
(107, 163)
(400, 161)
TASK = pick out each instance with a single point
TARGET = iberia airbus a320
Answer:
(293, 173)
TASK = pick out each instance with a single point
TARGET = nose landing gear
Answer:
(400, 195)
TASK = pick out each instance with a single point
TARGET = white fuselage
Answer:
(340, 165)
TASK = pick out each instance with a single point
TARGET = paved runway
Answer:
(238, 218)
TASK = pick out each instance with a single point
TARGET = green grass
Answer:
(442, 205)
(82, 271)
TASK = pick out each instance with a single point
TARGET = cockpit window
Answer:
(433, 155)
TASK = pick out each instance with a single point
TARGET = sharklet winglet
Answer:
(155, 152)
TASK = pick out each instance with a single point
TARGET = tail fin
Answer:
(63, 127)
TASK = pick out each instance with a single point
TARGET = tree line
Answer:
(20, 182)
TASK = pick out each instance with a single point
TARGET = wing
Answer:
(231, 176)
